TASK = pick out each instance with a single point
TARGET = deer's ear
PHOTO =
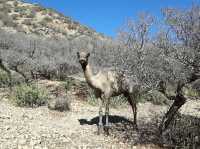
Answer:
(88, 55)
(78, 54)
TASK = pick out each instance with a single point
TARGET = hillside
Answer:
(18, 16)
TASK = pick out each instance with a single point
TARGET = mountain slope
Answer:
(31, 18)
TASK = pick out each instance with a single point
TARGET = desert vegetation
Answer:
(165, 63)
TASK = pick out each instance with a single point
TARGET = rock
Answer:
(60, 104)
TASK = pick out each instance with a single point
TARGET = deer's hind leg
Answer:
(132, 102)
(100, 125)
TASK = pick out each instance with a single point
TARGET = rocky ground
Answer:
(40, 128)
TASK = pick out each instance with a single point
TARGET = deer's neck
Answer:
(88, 75)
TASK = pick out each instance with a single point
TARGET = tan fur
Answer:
(108, 84)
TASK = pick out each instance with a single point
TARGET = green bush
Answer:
(29, 96)
(118, 101)
(191, 92)
(68, 83)
(4, 79)
(19, 9)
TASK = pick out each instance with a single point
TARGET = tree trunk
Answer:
(169, 116)
(179, 100)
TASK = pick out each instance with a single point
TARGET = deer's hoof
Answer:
(106, 129)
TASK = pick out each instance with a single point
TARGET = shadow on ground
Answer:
(183, 131)
(113, 119)
(123, 129)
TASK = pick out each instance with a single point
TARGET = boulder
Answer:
(61, 104)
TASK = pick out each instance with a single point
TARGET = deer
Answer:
(107, 84)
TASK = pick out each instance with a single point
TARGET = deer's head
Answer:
(83, 58)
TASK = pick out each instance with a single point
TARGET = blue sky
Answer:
(106, 16)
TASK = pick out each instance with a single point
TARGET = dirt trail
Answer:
(40, 128)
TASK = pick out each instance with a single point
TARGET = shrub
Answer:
(191, 92)
(7, 20)
(156, 98)
(29, 96)
(19, 28)
(32, 14)
(20, 9)
(15, 16)
(196, 86)
(15, 3)
(43, 23)
(183, 132)
(47, 19)
(3, 1)
(4, 79)
(27, 22)
(72, 27)
(91, 97)
(17, 78)
(5, 8)
(118, 101)
(68, 84)
(38, 8)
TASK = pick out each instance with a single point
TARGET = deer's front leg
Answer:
(100, 126)
(106, 97)
(107, 126)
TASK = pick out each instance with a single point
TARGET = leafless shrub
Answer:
(33, 57)
(15, 3)
(15, 16)
(38, 8)
(47, 19)
(7, 20)
(31, 14)
(27, 22)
